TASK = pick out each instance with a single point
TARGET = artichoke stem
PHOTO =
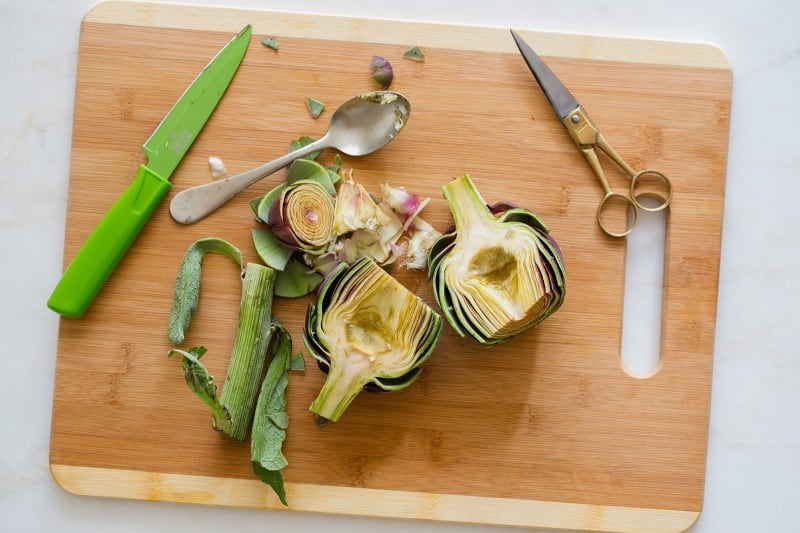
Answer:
(466, 204)
(343, 384)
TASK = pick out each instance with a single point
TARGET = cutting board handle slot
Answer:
(640, 350)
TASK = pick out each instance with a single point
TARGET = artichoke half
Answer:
(496, 274)
(366, 329)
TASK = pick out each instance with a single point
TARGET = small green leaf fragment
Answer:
(337, 163)
(187, 284)
(296, 280)
(315, 107)
(302, 141)
(305, 170)
(414, 53)
(202, 384)
(270, 42)
(297, 363)
(269, 249)
(254, 203)
(333, 169)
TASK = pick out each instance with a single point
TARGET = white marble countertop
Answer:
(754, 446)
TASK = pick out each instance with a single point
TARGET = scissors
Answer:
(588, 139)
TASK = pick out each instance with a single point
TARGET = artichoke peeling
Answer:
(496, 274)
(366, 329)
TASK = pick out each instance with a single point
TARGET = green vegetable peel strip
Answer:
(271, 420)
(202, 383)
(187, 286)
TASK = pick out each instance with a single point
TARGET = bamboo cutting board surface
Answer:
(546, 430)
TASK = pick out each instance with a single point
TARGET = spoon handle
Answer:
(196, 203)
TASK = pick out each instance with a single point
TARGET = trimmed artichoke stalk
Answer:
(497, 275)
(302, 217)
(240, 391)
(366, 328)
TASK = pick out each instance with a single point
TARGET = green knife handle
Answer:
(106, 245)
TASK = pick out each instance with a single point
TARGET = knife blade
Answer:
(169, 142)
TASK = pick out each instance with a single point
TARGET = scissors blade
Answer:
(562, 101)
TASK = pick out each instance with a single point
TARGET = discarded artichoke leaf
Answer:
(274, 254)
(366, 328)
(299, 143)
(307, 170)
(265, 202)
(297, 362)
(202, 384)
(270, 42)
(315, 107)
(271, 420)
(495, 275)
(382, 73)
(187, 284)
(296, 280)
(414, 53)
(254, 203)
(336, 165)
(356, 209)
(420, 242)
(333, 169)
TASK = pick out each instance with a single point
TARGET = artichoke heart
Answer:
(495, 275)
(366, 329)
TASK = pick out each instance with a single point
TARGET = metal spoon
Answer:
(360, 126)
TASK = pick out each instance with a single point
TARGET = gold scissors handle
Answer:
(586, 135)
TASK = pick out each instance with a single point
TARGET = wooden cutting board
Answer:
(546, 430)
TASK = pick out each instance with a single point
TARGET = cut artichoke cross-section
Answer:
(495, 275)
(366, 328)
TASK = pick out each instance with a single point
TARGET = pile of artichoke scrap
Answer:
(315, 220)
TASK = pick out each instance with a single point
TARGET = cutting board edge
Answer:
(408, 31)
(250, 493)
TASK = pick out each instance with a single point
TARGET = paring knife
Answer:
(165, 148)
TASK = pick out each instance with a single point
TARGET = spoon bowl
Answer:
(358, 127)
(367, 122)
